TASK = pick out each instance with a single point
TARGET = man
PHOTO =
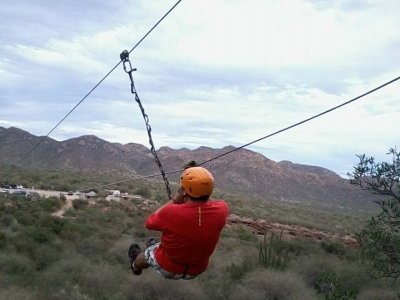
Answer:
(191, 224)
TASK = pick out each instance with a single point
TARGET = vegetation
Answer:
(380, 238)
(333, 219)
(83, 255)
(273, 254)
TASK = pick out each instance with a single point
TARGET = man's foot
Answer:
(133, 252)
(150, 242)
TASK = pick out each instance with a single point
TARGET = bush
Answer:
(153, 286)
(16, 293)
(79, 204)
(16, 266)
(45, 255)
(143, 191)
(62, 279)
(118, 251)
(50, 204)
(311, 267)
(329, 287)
(54, 224)
(40, 235)
(245, 234)
(266, 284)
(3, 241)
(103, 281)
(236, 272)
(333, 247)
(353, 276)
(380, 238)
(378, 294)
(7, 220)
(272, 252)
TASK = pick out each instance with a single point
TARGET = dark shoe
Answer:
(150, 242)
(134, 251)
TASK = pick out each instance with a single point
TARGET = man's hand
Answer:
(178, 198)
(190, 164)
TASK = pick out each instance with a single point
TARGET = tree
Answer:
(380, 238)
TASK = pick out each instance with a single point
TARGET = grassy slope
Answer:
(84, 256)
(332, 219)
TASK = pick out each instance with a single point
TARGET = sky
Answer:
(213, 73)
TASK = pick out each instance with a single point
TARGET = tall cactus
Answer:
(272, 254)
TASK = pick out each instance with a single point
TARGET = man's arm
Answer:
(157, 220)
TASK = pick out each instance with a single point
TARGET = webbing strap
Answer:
(128, 69)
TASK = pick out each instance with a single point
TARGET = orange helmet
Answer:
(197, 182)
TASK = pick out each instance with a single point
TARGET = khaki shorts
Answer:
(151, 259)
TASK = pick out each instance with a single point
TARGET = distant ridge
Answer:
(244, 171)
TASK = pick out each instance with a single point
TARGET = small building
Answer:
(91, 195)
(116, 193)
(113, 198)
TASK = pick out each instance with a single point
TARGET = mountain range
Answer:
(243, 172)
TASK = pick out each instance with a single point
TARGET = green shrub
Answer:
(353, 276)
(118, 251)
(311, 267)
(245, 234)
(7, 220)
(151, 286)
(40, 235)
(15, 265)
(271, 285)
(2, 238)
(22, 243)
(272, 252)
(16, 293)
(333, 247)
(45, 255)
(54, 224)
(63, 279)
(329, 287)
(92, 246)
(143, 191)
(236, 272)
(378, 294)
(103, 281)
(79, 204)
(50, 204)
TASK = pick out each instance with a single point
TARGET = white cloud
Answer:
(275, 34)
(214, 73)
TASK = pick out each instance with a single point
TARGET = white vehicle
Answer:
(116, 193)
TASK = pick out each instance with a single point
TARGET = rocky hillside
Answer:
(244, 172)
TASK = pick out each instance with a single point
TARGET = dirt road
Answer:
(60, 213)
(262, 226)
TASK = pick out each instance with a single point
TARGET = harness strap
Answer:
(185, 271)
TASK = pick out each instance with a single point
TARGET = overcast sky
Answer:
(213, 73)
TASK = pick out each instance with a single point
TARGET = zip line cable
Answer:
(262, 138)
(304, 121)
(252, 142)
(129, 180)
(96, 85)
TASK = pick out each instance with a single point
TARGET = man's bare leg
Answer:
(139, 264)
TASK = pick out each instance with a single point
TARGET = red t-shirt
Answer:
(190, 233)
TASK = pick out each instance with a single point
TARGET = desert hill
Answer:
(244, 172)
